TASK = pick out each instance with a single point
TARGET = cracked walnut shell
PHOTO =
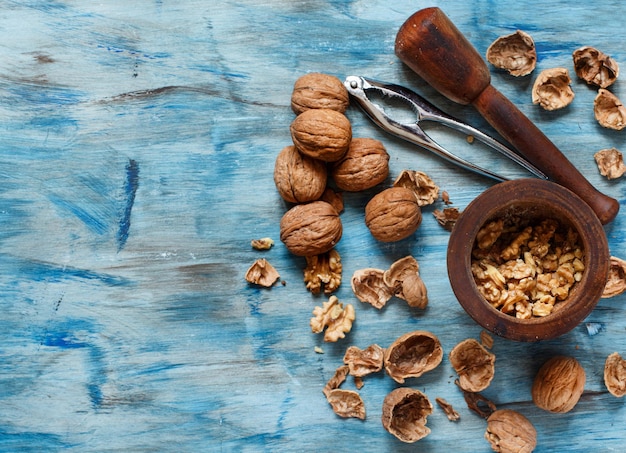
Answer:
(393, 214)
(310, 229)
(609, 111)
(405, 414)
(424, 188)
(368, 286)
(615, 375)
(362, 362)
(412, 355)
(299, 178)
(610, 162)
(616, 283)
(363, 166)
(514, 53)
(509, 431)
(404, 280)
(319, 91)
(334, 317)
(595, 67)
(552, 89)
(558, 385)
(262, 273)
(323, 134)
(474, 365)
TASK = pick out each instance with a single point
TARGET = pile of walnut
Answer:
(552, 90)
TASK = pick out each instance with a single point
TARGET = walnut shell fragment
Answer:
(404, 280)
(615, 375)
(514, 53)
(334, 317)
(310, 229)
(448, 409)
(393, 214)
(616, 283)
(558, 385)
(299, 178)
(405, 413)
(474, 365)
(323, 270)
(610, 162)
(424, 188)
(262, 273)
(552, 89)
(609, 111)
(595, 67)
(362, 362)
(412, 355)
(346, 403)
(323, 134)
(509, 431)
(319, 91)
(363, 166)
(369, 287)
(447, 217)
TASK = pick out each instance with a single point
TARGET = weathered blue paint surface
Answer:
(137, 144)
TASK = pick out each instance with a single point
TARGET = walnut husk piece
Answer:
(616, 283)
(609, 110)
(310, 229)
(299, 178)
(363, 166)
(595, 67)
(615, 375)
(558, 385)
(369, 287)
(552, 89)
(322, 134)
(262, 273)
(508, 431)
(610, 162)
(474, 365)
(393, 214)
(515, 53)
(412, 355)
(405, 414)
(319, 91)
(323, 271)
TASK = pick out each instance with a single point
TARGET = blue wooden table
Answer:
(137, 145)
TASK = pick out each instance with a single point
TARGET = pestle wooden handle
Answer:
(431, 45)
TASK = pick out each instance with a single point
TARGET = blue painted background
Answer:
(137, 144)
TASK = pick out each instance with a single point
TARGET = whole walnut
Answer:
(558, 385)
(310, 229)
(365, 164)
(393, 214)
(323, 134)
(319, 91)
(509, 431)
(299, 178)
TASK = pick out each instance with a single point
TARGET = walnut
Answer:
(609, 111)
(447, 408)
(346, 403)
(509, 431)
(323, 270)
(610, 163)
(447, 217)
(558, 385)
(323, 134)
(299, 178)
(412, 355)
(262, 244)
(615, 375)
(310, 229)
(262, 273)
(616, 283)
(405, 413)
(334, 317)
(552, 89)
(369, 287)
(334, 198)
(474, 365)
(393, 214)
(514, 53)
(363, 166)
(425, 189)
(362, 362)
(319, 91)
(595, 67)
(404, 280)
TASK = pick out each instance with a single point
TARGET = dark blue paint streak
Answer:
(42, 271)
(89, 216)
(130, 189)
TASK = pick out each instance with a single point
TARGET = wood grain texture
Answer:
(137, 144)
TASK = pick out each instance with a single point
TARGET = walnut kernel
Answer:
(610, 163)
(310, 229)
(319, 91)
(616, 283)
(424, 188)
(558, 385)
(509, 431)
(369, 287)
(299, 178)
(412, 355)
(595, 67)
(393, 214)
(334, 317)
(615, 375)
(323, 134)
(405, 413)
(474, 365)
(262, 244)
(262, 273)
(363, 166)
(609, 111)
(514, 53)
(362, 362)
(552, 89)
(323, 270)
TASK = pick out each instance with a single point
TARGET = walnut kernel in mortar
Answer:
(424, 188)
(610, 163)
(595, 67)
(405, 414)
(297, 177)
(319, 91)
(362, 362)
(334, 317)
(393, 214)
(412, 355)
(609, 111)
(552, 89)
(369, 287)
(509, 431)
(514, 53)
(616, 283)
(363, 166)
(558, 385)
(474, 365)
(615, 375)
(323, 134)
(262, 273)
(323, 270)
(310, 229)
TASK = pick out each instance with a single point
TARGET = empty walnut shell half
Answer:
(610, 163)
(615, 375)
(552, 89)
(595, 67)
(365, 164)
(474, 365)
(405, 413)
(558, 385)
(609, 111)
(412, 355)
(616, 283)
(510, 431)
(368, 286)
(514, 53)
(319, 91)
(323, 134)
(310, 229)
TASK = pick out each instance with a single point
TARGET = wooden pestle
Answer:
(431, 45)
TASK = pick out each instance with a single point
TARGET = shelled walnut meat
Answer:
(363, 166)
(595, 67)
(299, 178)
(323, 271)
(514, 53)
(609, 110)
(558, 385)
(393, 214)
(319, 91)
(412, 355)
(552, 89)
(310, 229)
(322, 134)
(333, 316)
(474, 365)
(405, 414)
(509, 431)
